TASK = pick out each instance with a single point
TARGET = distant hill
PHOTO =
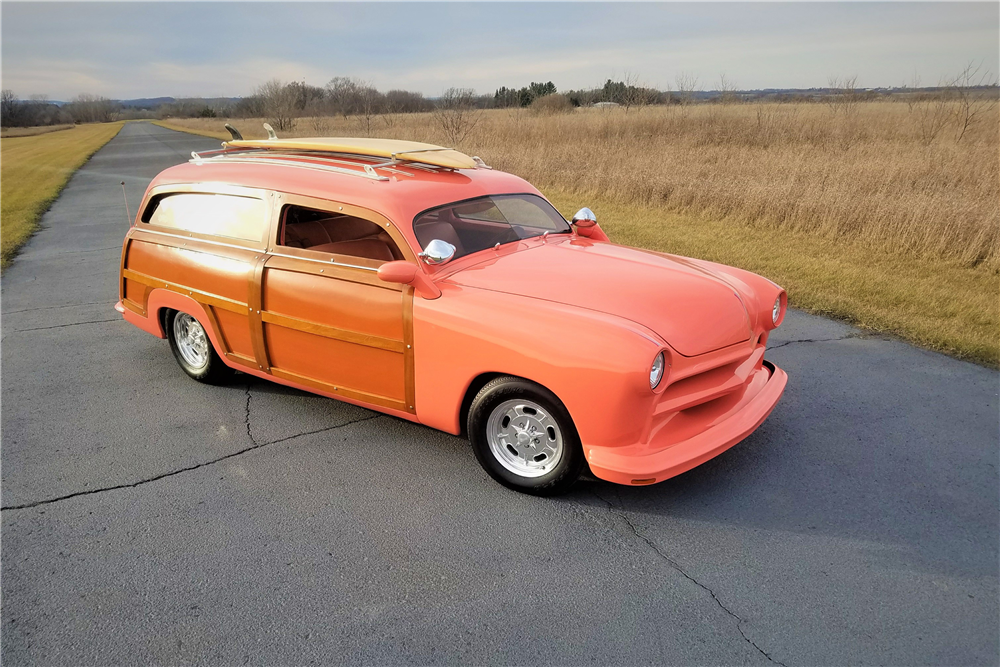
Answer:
(152, 103)
(146, 102)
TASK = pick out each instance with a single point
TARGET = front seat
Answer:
(371, 248)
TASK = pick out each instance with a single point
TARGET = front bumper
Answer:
(657, 460)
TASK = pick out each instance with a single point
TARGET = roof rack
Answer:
(325, 154)
(315, 160)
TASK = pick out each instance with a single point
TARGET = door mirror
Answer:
(584, 218)
(400, 272)
(437, 252)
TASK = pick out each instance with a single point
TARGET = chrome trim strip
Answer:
(332, 262)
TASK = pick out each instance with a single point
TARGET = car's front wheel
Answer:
(193, 350)
(524, 438)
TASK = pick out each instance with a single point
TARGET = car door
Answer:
(325, 319)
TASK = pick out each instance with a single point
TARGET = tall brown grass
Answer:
(868, 175)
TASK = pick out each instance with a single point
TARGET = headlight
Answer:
(776, 311)
(656, 371)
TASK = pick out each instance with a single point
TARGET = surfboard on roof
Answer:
(413, 151)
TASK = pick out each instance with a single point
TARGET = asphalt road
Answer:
(148, 519)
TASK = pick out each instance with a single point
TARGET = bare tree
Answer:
(932, 114)
(844, 95)
(727, 89)
(973, 102)
(456, 113)
(93, 109)
(342, 93)
(369, 103)
(634, 94)
(687, 86)
(278, 101)
(10, 107)
(404, 101)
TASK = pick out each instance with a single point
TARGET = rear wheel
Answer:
(524, 437)
(193, 350)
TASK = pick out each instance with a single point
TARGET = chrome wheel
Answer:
(524, 438)
(191, 339)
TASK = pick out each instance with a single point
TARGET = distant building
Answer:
(605, 105)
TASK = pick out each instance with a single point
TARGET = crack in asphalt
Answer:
(255, 445)
(247, 417)
(857, 334)
(620, 513)
(60, 326)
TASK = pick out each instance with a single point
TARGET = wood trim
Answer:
(241, 359)
(121, 266)
(194, 244)
(411, 391)
(254, 305)
(204, 298)
(213, 322)
(364, 397)
(328, 269)
(368, 340)
(139, 307)
(136, 308)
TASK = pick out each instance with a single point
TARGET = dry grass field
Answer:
(33, 170)
(871, 214)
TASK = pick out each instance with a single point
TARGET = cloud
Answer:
(226, 49)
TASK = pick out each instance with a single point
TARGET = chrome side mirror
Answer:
(585, 218)
(437, 252)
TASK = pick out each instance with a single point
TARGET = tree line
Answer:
(38, 110)
(282, 103)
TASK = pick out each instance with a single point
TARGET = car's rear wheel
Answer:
(524, 438)
(193, 350)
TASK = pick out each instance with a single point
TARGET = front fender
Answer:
(597, 364)
(757, 291)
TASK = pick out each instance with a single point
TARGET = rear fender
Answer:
(161, 299)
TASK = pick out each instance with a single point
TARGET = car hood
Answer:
(691, 308)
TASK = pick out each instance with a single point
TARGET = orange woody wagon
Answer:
(414, 280)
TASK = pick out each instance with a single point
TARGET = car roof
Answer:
(406, 191)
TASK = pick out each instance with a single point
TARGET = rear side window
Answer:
(219, 215)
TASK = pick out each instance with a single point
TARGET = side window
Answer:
(335, 233)
(219, 215)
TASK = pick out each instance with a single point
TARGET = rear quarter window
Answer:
(228, 216)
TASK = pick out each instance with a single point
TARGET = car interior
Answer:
(483, 222)
(467, 234)
(335, 233)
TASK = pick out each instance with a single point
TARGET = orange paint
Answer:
(573, 312)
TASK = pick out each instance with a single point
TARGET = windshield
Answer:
(477, 224)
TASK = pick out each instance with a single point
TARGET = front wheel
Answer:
(194, 351)
(524, 437)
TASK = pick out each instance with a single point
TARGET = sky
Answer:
(185, 49)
